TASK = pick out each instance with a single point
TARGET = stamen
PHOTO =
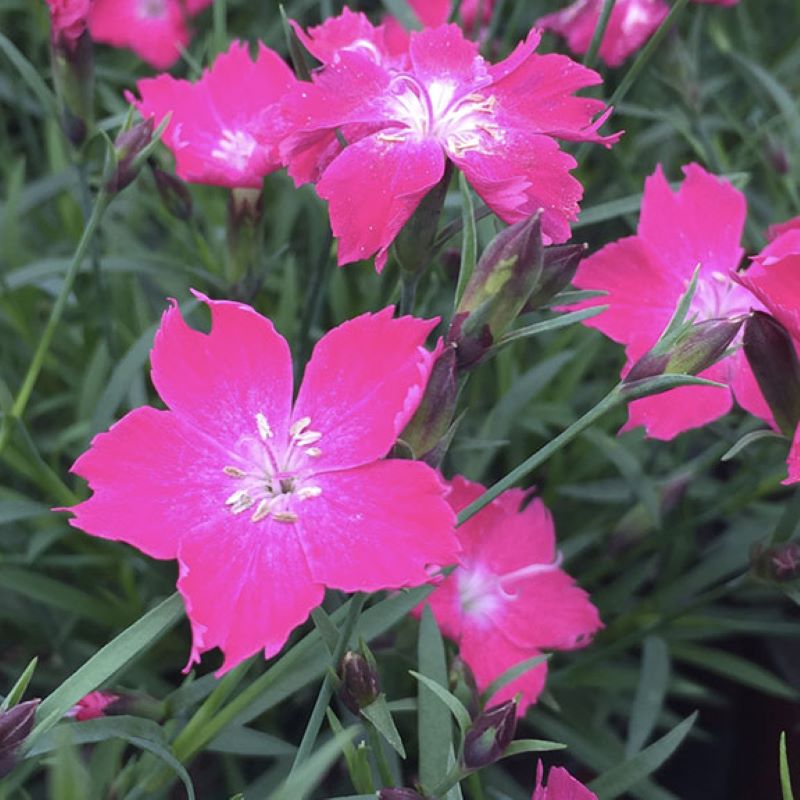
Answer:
(309, 437)
(264, 430)
(263, 509)
(298, 427)
(236, 497)
(528, 572)
(309, 491)
(234, 472)
(284, 516)
(242, 504)
(314, 452)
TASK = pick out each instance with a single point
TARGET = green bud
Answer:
(771, 354)
(128, 147)
(73, 76)
(490, 735)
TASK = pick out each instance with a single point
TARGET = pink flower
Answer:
(221, 128)
(719, 2)
(92, 706)
(631, 24)
(781, 228)
(264, 504)
(68, 19)
(498, 124)
(508, 600)
(155, 30)
(646, 274)
(436, 12)
(560, 786)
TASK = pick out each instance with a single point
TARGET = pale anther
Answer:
(285, 516)
(236, 497)
(264, 430)
(262, 511)
(313, 452)
(299, 426)
(309, 437)
(309, 491)
(234, 472)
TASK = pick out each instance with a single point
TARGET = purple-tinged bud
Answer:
(360, 682)
(559, 265)
(777, 156)
(504, 279)
(128, 148)
(698, 348)
(780, 563)
(434, 415)
(72, 59)
(399, 794)
(15, 727)
(772, 356)
(173, 192)
(490, 735)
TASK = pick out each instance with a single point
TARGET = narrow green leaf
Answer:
(511, 675)
(552, 324)
(30, 75)
(650, 693)
(626, 775)
(401, 11)
(435, 730)
(18, 689)
(786, 779)
(379, 715)
(357, 760)
(532, 746)
(747, 440)
(457, 708)
(109, 660)
(469, 238)
(327, 630)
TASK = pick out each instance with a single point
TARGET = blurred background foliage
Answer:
(659, 533)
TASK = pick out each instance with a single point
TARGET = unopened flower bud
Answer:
(780, 563)
(503, 281)
(72, 59)
(771, 354)
(777, 156)
(128, 147)
(399, 794)
(491, 733)
(434, 415)
(173, 192)
(559, 265)
(15, 726)
(360, 683)
(698, 348)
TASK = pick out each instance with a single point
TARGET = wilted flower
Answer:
(645, 276)
(402, 123)
(220, 129)
(560, 786)
(490, 735)
(508, 600)
(262, 502)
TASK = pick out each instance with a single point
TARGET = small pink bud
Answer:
(128, 147)
(490, 735)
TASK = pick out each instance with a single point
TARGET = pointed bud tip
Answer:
(490, 735)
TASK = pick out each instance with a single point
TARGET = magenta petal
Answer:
(222, 379)
(154, 477)
(777, 286)
(442, 55)
(431, 12)
(246, 586)
(378, 526)
(364, 381)
(666, 415)
(373, 187)
(700, 223)
(746, 390)
(560, 786)
(793, 460)
(445, 605)
(521, 174)
(490, 654)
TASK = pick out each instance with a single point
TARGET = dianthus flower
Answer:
(645, 276)
(217, 130)
(496, 123)
(156, 30)
(92, 706)
(436, 12)
(508, 600)
(68, 20)
(263, 503)
(631, 24)
(560, 786)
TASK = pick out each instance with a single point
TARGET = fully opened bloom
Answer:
(631, 24)
(218, 130)
(560, 786)
(508, 600)
(156, 30)
(496, 123)
(645, 276)
(68, 20)
(263, 502)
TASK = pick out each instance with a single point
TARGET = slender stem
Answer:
(23, 396)
(326, 690)
(611, 400)
(475, 786)
(408, 292)
(599, 32)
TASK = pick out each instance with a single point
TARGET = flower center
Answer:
(271, 483)
(481, 591)
(458, 123)
(235, 148)
(152, 9)
(719, 297)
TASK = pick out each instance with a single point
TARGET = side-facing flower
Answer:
(220, 129)
(68, 20)
(156, 30)
(92, 706)
(560, 786)
(508, 600)
(631, 24)
(497, 123)
(645, 276)
(262, 502)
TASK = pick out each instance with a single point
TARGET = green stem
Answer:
(455, 776)
(380, 757)
(599, 31)
(475, 786)
(326, 690)
(23, 396)
(611, 400)
(408, 292)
